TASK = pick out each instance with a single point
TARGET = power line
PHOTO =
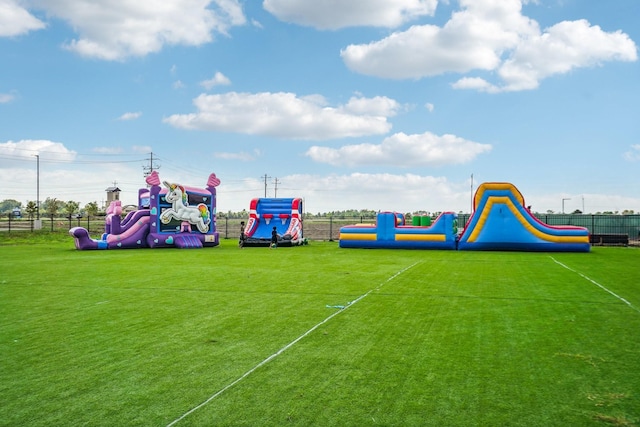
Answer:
(69, 161)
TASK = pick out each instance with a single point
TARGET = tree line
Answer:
(52, 207)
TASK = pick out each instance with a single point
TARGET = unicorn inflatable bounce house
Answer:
(174, 216)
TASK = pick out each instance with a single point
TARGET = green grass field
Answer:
(256, 337)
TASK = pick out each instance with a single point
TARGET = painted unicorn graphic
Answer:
(180, 209)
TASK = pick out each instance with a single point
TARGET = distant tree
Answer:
(91, 208)
(577, 212)
(31, 208)
(628, 212)
(52, 206)
(550, 211)
(7, 205)
(71, 207)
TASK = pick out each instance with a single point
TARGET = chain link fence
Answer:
(93, 224)
(328, 228)
(604, 229)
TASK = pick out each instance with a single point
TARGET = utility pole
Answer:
(265, 184)
(276, 182)
(471, 211)
(151, 167)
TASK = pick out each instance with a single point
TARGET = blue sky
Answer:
(366, 104)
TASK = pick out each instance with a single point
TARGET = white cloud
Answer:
(472, 39)
(334, 14)
(29, 148)
(430, 107)
(403, 150)
(633, 155)
(130, 116)
(490, 36)
(242, 155)
(218, 79)
(178, 85)
(384, 191)
(66, 179)
(107, 150)
(377, 106)
(286, 115)
(142, 149)
(399, 192)
(562, 48)
(62, 183)
(128, 28)
(6, 98)
(15, 20)
(476, 83)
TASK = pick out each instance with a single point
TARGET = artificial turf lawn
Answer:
(140, 337)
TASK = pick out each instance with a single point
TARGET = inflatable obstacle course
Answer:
(390, 231)
(500, 222)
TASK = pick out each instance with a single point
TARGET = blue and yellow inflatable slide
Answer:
(500, 222)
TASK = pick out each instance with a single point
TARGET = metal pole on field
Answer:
(568, 198)
(37, 186)
(331, 229)
(471, 210)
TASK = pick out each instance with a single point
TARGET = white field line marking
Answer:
(286, 347)
(597, 284)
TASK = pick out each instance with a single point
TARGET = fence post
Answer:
(331, 229)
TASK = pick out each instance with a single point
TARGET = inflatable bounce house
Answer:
(390, 231)
(174, 216)
(266, 213)
(500, 222)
